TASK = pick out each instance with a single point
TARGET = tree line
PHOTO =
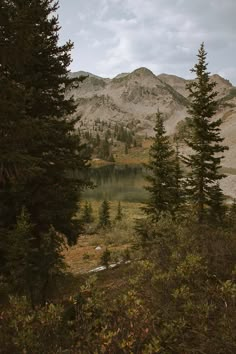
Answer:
(180, 295)
(104, 214)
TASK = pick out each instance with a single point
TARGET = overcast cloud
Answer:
(114, 36)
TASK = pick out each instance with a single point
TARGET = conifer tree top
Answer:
(201, 90)
(205, 141)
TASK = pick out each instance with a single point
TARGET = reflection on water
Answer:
(124, 183)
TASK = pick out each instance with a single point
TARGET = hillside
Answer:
(133, 98)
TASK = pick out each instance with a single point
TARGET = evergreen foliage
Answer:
(39, 149)
(31, 268)
(183, 130)
(231, 217)
(87, 213)
(164, 175)
(105, 150)
(20, 256)
(205, 142)
(119, 214)
(104, 214)
(181, 298)
(106, 258)
(124, 135)
(178, 190)
(98, 139)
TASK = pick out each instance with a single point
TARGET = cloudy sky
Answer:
(114, 36)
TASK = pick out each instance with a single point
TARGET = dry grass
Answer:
(130, 210)
(83, 256)
(136, 155)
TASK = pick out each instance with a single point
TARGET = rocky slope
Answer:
(136, 96)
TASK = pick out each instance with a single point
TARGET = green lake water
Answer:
(123, 183)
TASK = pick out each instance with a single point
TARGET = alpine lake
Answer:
(123, 183)
(126, 183)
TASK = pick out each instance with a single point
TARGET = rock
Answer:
(135, 97)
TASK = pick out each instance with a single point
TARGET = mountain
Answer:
(135, 98)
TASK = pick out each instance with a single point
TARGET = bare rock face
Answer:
(177, 83)
(223, 86)
(137, 96)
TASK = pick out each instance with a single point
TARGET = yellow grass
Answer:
(121, 236)
(136, 155)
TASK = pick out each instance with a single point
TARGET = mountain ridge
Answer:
(136, 96)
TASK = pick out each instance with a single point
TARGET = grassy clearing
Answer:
(136, 155)
(111, 282)
(119, 238)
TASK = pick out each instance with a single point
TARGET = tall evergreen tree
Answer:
(161, 177)
(104, 214)
(205, 142)
(39, 149)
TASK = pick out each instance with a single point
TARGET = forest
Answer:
(174, 290)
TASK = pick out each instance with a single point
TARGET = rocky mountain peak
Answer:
(121, 75)
(143, 72)
(223, 86)
(220, 80)
(136, 96)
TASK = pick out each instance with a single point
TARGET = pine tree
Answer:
(161, 177)
(39, 150)
(119, 214)
(178, 190)
(104, 215)
(19, 255)
(98, 139)
(87, 216)
(105, 150)
(205, 142)
(39, 66)
(106, 258)
(16, 164)
(29, 268)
